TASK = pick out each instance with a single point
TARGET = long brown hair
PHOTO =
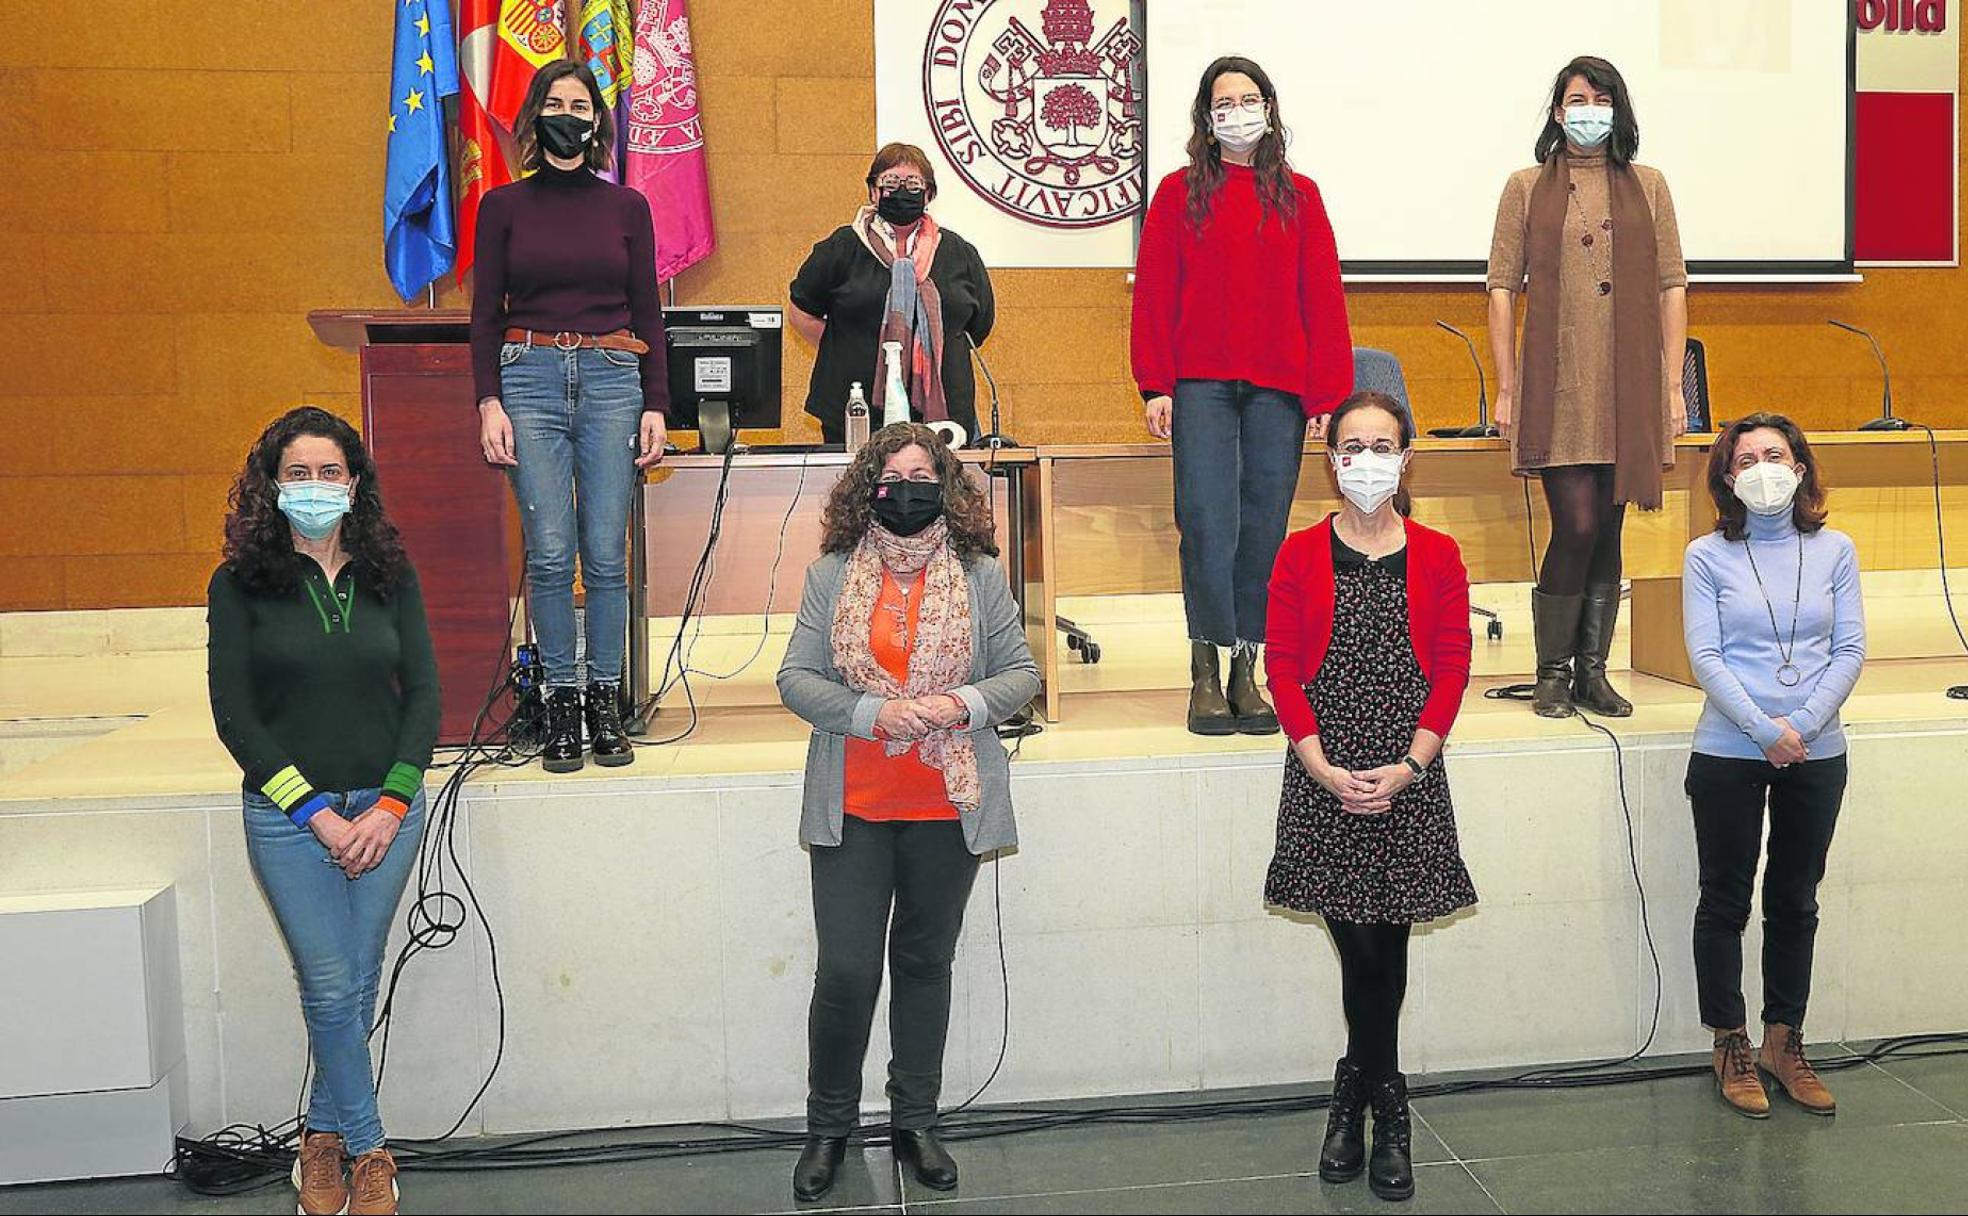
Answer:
(1277, 193)
(259, 542)
(1807, 510)
(1367, 399)
(849, 515)
(601, 149)
(1624, 143)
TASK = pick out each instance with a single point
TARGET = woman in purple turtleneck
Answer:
(567, 359)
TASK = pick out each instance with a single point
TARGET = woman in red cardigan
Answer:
(1240, 336)
(1368, 659)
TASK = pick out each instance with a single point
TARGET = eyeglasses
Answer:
(1379, 447)
(890, 184)
(1249, 101)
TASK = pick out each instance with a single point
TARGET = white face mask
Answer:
(1588, 126)
(1367, 479)
(1240, 129)
(1766, 487)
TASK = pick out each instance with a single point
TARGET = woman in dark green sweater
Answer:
(324, 689)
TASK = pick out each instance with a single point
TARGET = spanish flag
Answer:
(501, 44)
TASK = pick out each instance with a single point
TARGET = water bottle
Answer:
(857, 418)
(895, 397)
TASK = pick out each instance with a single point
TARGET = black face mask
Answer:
(907, 507)
(902, 207)
(564, 135)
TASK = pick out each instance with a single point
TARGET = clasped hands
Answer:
(914, 718)
(1789, 748)
(359, 845)
(1360, 791)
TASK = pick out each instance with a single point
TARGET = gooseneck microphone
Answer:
(994, 438)
(1482, 429)
(1886, 421)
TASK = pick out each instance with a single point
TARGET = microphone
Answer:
(1886, 421)
(1482, 429)
(995, 438)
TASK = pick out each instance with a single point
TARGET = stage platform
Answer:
(653, 931)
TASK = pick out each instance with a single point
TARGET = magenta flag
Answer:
(666, 137)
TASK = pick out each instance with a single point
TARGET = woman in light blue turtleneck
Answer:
(1776, 634)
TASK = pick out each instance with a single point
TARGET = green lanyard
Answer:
(346, 604)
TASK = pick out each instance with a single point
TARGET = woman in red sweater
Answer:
(1369, 657)
(1240, 336)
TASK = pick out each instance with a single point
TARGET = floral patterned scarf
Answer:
(939, 659)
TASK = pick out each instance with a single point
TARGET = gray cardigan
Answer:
(1003, 678)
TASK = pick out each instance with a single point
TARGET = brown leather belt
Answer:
(621, 339)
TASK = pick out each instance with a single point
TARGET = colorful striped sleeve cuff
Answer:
(404, 780)
(298, 800)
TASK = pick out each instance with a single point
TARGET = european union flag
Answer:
(419, 238)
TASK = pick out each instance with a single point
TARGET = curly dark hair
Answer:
(1277, 190)
(259, 542)
(1807, 510)
(965, 508)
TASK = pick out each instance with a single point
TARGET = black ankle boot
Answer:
(819, 1162)
(1209, 712)
(1254, 715)
(926, 1157)
(1390, 1171)
(1590, 689)
(562, 753)
(1554, 627)
(1345, 1152)
(606, 738)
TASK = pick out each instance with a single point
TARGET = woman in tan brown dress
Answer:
(1592, 402)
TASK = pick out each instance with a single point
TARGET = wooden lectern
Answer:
(421, 428)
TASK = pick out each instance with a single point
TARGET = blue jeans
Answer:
(575, 418)
(1237, 450)
(336, 931)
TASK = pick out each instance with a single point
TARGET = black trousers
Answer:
(1728, 796)
(898, 887)
(1373, 974)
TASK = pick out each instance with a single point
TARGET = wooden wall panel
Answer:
(173, 258)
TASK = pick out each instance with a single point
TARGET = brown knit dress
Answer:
(1585, 428)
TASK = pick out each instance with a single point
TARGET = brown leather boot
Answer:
(1782, 1056)
(1209, 711)
(318, 1175)
(1735, 1071)
(372, 1179)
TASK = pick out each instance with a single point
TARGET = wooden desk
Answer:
(453, 510)
(1107, 520)
(1881, 493)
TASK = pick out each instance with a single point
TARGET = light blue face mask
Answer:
(1588, 126)
(315, 508)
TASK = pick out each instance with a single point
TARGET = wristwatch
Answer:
(1414, 765)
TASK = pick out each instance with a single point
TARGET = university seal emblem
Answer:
(1044, 124)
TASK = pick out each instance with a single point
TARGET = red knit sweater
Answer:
(1242, 299)
(1300, 624)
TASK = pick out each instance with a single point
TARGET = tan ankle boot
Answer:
(1782, 1056)
(1735, 1072)
(318, 1175)
(372, 1179)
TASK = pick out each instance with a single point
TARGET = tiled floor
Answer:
(1899, 1144)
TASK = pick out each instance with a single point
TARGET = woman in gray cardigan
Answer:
(908, 652)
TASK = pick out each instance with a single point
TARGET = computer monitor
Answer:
(724, 370)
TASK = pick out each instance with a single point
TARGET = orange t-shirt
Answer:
(879, 787)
